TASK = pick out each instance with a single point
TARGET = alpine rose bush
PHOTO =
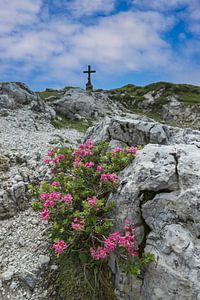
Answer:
(75, 201)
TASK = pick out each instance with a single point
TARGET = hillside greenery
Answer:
(53, 92)
(186, 93)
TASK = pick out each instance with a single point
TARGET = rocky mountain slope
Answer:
(173, 104)
(26, 133)
(159, 191)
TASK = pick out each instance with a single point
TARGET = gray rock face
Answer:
(78, 103)
(160, 194)
(160, 191)
(130, 130)
(15, 95)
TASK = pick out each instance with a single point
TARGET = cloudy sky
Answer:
(48, 43)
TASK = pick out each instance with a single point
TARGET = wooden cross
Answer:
(89, 86)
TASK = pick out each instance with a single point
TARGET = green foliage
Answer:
(56, 93)
(78, 280)
(186, 93)
(45, 94)
(136, 264)
(62, 122)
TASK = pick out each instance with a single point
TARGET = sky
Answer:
(48, 43)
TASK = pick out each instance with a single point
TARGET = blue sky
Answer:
(48, 43)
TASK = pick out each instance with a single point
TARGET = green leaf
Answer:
(36, 206)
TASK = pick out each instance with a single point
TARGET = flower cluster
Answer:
(60, 246)
(113, 241)
(92, 201)
(109, 177)
(75, 201)
(84, 150)
(67, 199)
(78, 224)
(54, 161)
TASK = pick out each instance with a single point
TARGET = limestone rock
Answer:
(77, 103)
(160, 191)
(14, 95)
(134, 130)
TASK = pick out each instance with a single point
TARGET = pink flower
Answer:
(127, 224)
(116, 150)
(100, 168)
(98, 254)
(45, 214)
(52, 171)
(49, 203)
(44, 196)
(58, 158)
(51, 152)
(110, 245)
(89, 143)
(89, 165)
(133, 253)
(109, 177)
(77, 163)
(47, 161)
(82, 153)
(54, 196)
(92, 201)
(60, 246)
(55, 183)
(78, 224)
(68, 199)
(132, 150)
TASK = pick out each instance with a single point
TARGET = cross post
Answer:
(89, 86)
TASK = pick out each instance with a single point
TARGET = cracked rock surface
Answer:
(136, 130)
(160, 192)
(77, 104)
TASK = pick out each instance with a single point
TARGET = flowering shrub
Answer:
(75, 202)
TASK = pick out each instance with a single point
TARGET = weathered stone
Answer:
(160, 190)
(43, 260)
(7, 275)
(77, 104)
(132, 130)
(4, 163)
(28, 278)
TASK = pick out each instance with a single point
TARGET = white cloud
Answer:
(162, 5)
(17, 13)
(128, 41)
(59, 47)
(90, 7)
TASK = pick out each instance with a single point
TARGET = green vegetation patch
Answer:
(62, 121)
(51, 92)
(77, 281)
(132, 96)
(45, 94)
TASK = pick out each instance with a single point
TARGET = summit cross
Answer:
(89, 86)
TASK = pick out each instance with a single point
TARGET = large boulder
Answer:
(14, 95)
(77, 103)
(160, 194)
(133, 129)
